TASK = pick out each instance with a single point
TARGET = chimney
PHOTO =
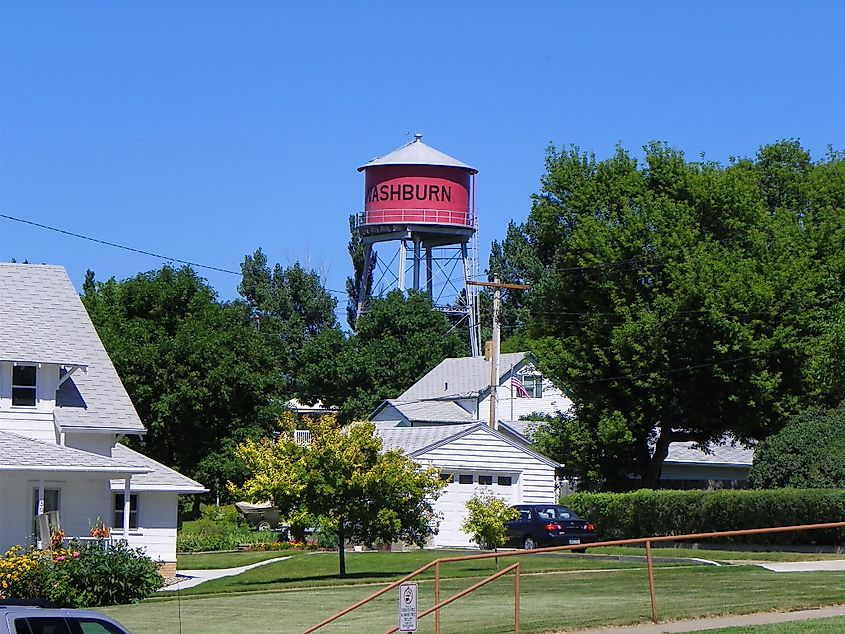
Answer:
(488, 350)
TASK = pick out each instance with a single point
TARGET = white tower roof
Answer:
(417, 153)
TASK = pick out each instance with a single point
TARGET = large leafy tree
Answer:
(677, 300)
(399, 339)
(808, 453)
(344, 480)
(289, 306)
(199, 374)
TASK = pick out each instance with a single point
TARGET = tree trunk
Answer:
(341, 547)
(651, 474)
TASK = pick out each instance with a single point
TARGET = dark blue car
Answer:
(541, 525)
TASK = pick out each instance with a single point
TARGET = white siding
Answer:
(156, 532)
(481, 453)
(98, 443)
(33, 422)
(511, 407)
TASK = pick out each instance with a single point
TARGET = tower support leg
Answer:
(473, 323)
(429, 273)
(417, 264)
(403, 256)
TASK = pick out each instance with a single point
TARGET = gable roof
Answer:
(424, 411)
(44, 321)
(20, 453)
(159, 477)
(461, 376)
(416, 441)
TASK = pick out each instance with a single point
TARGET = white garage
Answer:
(473, 456)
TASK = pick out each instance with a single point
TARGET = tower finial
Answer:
(417, 137)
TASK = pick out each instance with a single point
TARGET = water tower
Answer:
(419, 231)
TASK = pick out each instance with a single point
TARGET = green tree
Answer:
(199, 375)
(289, 306)
(344, 480)
(356, 253)
(677, 300)
(809, 453)
(485, 520)
(398, 340)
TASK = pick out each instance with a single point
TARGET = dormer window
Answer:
(534, 385)
(23, 385)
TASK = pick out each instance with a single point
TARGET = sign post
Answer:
(408, 607)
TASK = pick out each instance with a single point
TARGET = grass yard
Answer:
(272, 598)
(320, 569)
(202, 561)
(817, 626)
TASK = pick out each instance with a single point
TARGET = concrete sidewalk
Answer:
(714, 623)
(191, 578)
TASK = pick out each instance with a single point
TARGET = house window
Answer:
(533, 385)
(446, 477)
(504, 481)
(465, 478)
(118, 511)
(485, 480)
(51, 501)
(23, 385)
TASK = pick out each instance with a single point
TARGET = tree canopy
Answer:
(398, 340)
(809, 453)
(677, 300)
(199, 374)
(344, 480)
(289, 306)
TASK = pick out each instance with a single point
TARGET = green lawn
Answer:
(817, 626)
(321, 569)
(277, 602)
(201, 561)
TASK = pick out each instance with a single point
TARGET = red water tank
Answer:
(417, 184)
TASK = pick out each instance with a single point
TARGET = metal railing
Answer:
(647, 541)
(417, 216)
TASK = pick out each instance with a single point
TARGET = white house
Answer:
(472, 455)
(431, 418)
(63, 410)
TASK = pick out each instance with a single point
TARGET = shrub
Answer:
(648, 513)
(486, 519)
(81, 575)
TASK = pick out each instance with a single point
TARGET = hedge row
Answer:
(647, 513)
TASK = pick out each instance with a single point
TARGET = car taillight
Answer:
(590, 527)
(552, 527)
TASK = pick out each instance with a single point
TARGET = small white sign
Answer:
(408, 607)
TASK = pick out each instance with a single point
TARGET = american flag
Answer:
(516, 384)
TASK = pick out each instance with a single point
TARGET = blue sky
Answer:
(203, 130)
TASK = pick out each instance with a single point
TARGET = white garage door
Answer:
(452, 504)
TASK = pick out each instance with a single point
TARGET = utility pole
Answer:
(497, 287)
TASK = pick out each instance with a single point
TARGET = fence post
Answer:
(517, 590)
(651, 581)
(437, 597)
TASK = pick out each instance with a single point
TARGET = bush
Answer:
(647, 513)
(81, 575)
(486, 519)
(209, 534)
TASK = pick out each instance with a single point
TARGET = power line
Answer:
(133, 249)
(119, 246)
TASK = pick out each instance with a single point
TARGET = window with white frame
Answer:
(118, 511)
(24, 379)
(533, 385)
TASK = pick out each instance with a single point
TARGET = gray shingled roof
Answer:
(724, 454)
(19, 453)
(461, 376)
(415, 439)
(417, 153)
(432, 411)
(44, 321)
(160, 478)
